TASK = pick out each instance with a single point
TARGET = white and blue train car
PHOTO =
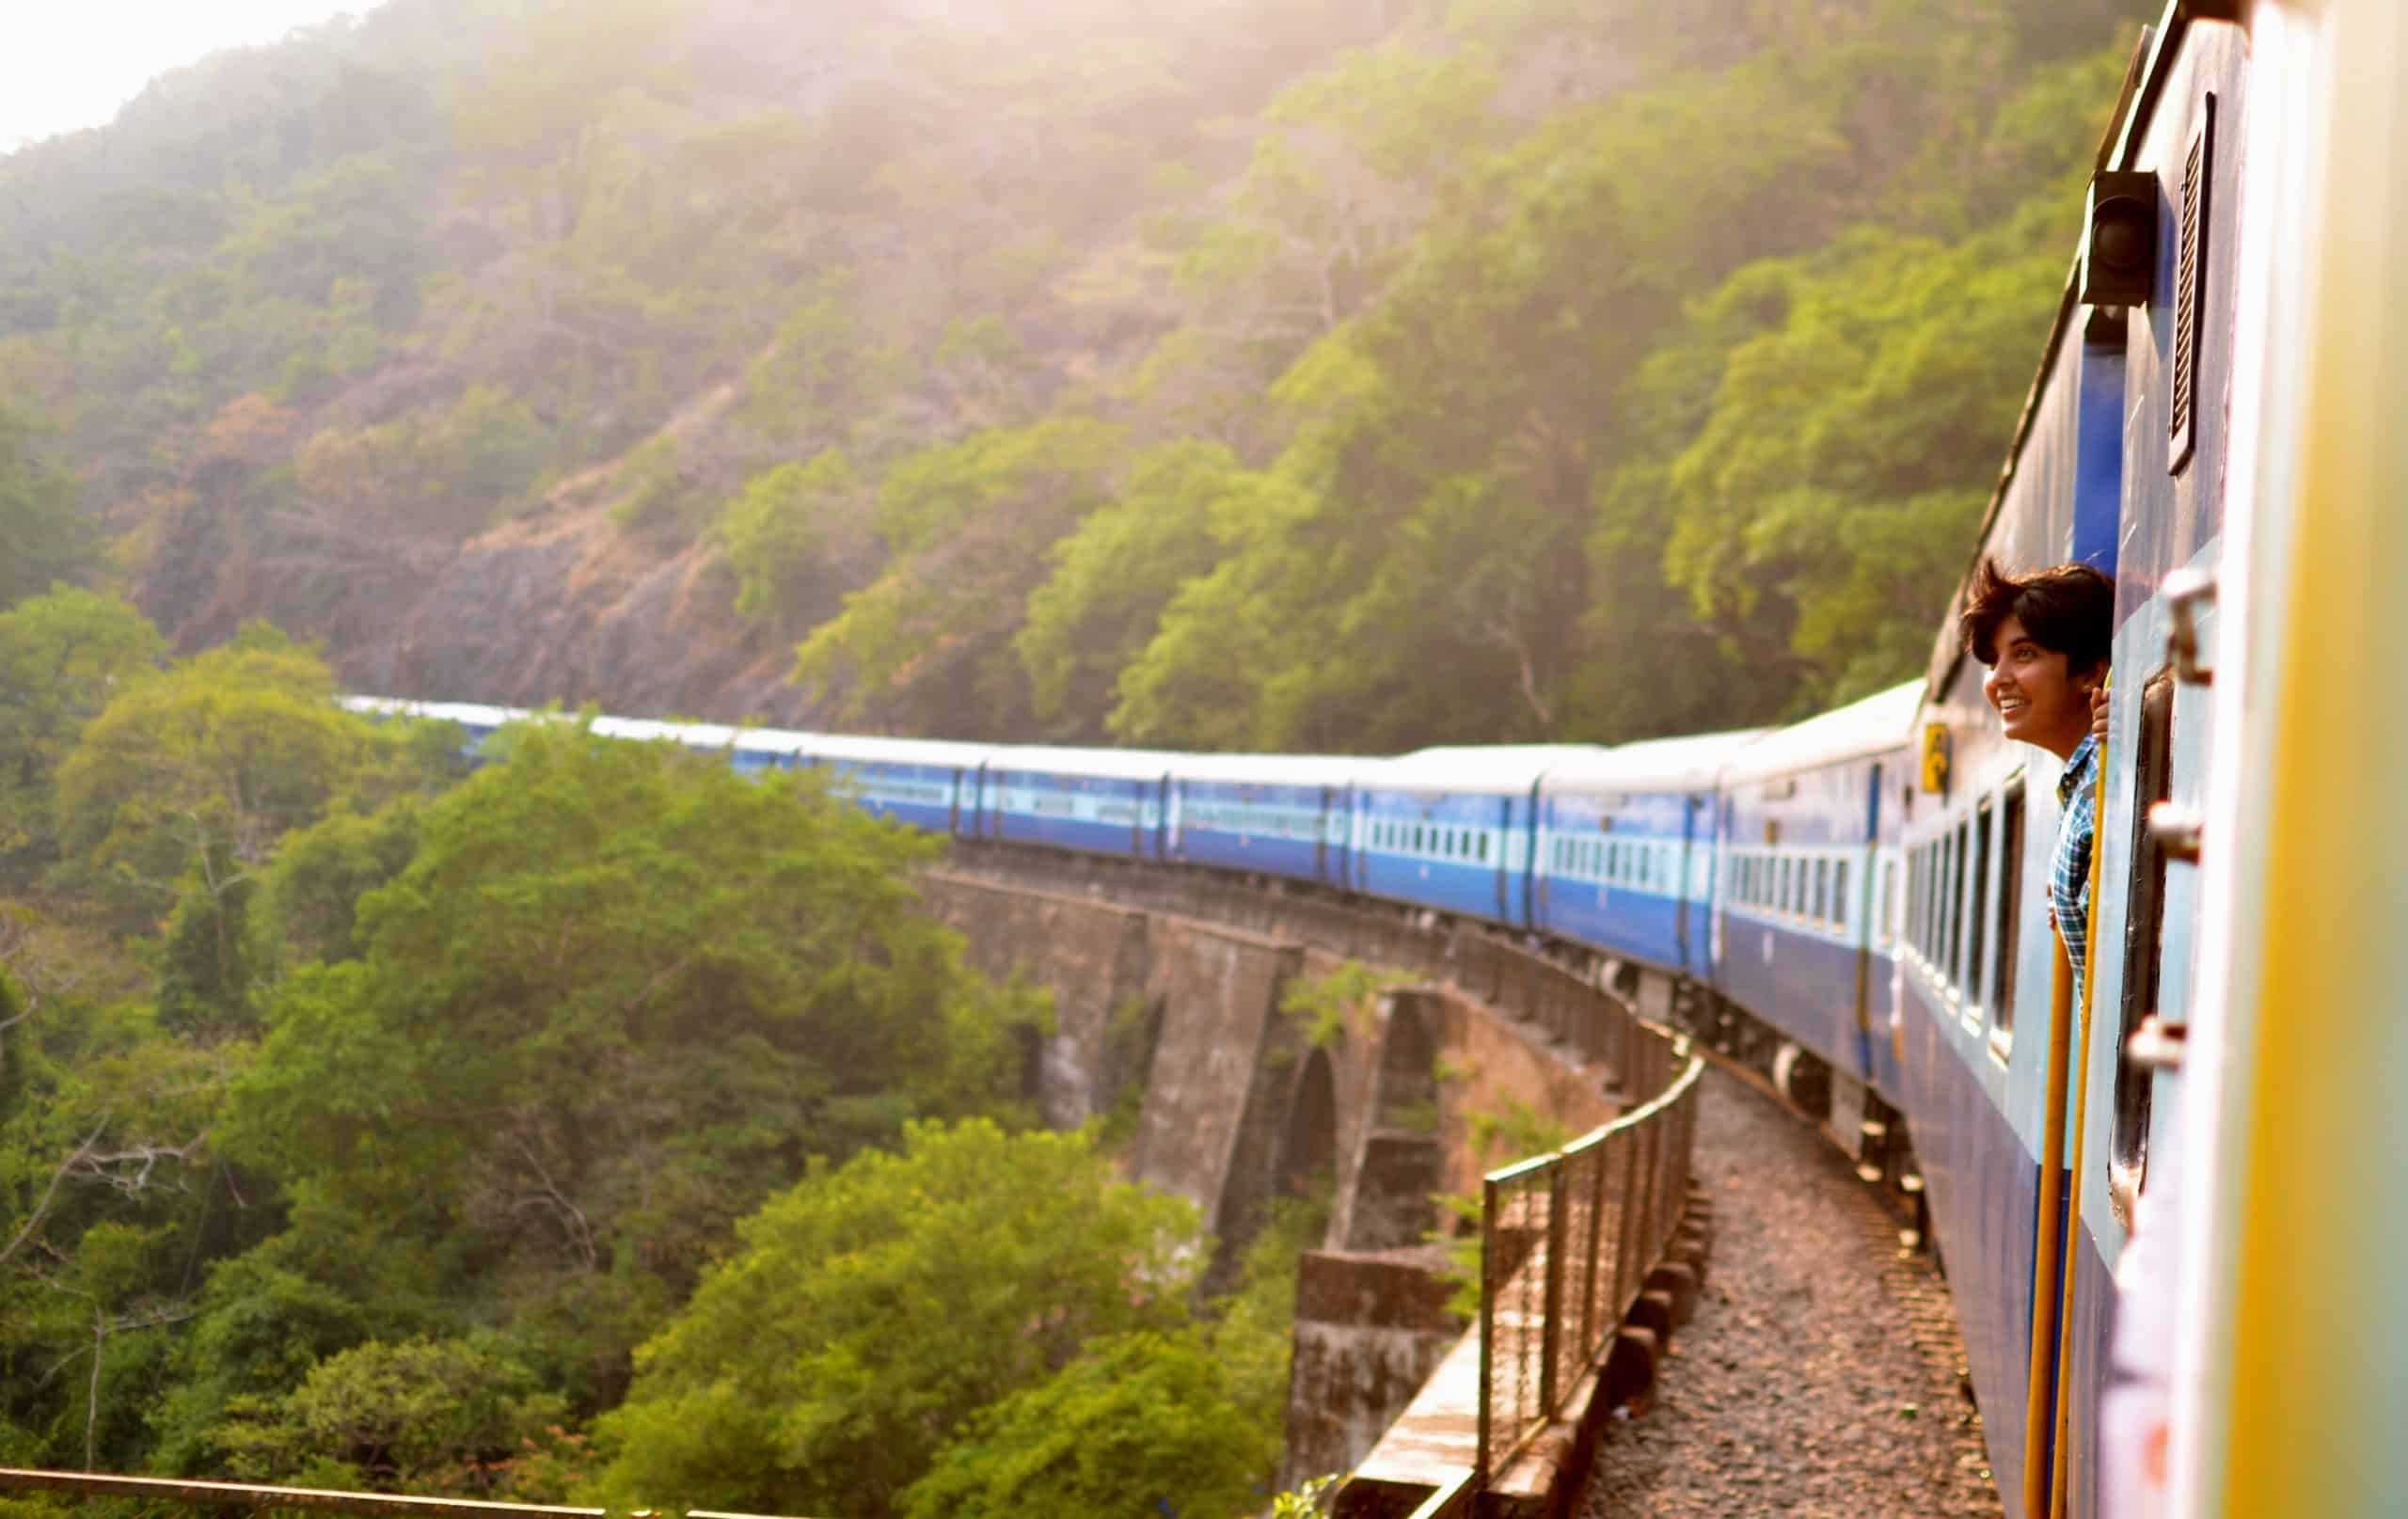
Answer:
(2015, 1099)
(1278, 815)
(923, 782)
(1801, 842)
(1095, 800)
(476, 721)
(750, 752)
(1626, 849)
(1450, 829)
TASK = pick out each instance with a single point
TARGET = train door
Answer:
(1689, 853)
(1859, 915)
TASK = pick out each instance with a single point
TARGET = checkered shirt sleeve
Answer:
(2069, 867)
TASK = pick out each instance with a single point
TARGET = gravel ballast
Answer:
(1820, 1376)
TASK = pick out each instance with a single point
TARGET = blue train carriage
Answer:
(1626, 853)
(1095, 800)
(1280, 814)
(1450, 829)
(2120, 462)
(751, 751)
(926, 784)
(1795, 928)
(476, 721)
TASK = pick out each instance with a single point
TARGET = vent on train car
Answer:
(2190, 287)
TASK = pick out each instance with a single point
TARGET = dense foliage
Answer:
(1253, 371)
(367, 1123)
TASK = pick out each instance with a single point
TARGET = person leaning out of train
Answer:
(2045, 637)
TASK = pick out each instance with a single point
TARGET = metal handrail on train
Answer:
(1555, 1280)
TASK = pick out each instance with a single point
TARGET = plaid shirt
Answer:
(2069, 867)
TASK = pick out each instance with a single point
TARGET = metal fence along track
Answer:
(1566, 1242)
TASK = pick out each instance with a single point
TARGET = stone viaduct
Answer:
(1266, 1042)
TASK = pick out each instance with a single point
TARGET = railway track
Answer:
(1822, 1375)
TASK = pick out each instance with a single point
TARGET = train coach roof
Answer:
(1875, 725)
(466, 714)
(1504, 770)
(857, 749)
(1686, 764)
(1271, 770)
(702, 735)
(1105, 764)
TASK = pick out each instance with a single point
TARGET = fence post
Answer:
(1551, 1318)
(1488, 1285)
(1598, 1156)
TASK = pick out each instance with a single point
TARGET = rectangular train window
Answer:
(1977, 915)
(1926, 940)
(1887, 908)
(1839, 893)
(2010, 903)
(1914, 899)
(2144, 939)
(1952, 910)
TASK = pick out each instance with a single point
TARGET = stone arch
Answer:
(1401, 1162)
(1308, 1141)
(1404, 1088)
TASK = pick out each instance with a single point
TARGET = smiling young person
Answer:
(2045, 637)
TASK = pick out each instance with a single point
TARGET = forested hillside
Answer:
(1336, 373)
(599, 1123)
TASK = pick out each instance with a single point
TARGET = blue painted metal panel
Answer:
(1295, 830)
(2099, 457)
(1462, 853)
(921, 796)
(1092, 813)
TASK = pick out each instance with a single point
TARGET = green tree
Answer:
(1139, 1423)
(189, 778)
(779, 533)
(618, 995)
(926, 646)
(421, 1416)
(1115, 573)
(878, 1305)
(63, 657)
(43, 537)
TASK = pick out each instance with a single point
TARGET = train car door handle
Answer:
(2186, 592)
(2175, 830)
(2156, 1045)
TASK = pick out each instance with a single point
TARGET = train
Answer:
(2168, 1204)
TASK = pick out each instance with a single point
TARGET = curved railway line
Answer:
(1823, 1373)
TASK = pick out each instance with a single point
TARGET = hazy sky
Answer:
(65, 64)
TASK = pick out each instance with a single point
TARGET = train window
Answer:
(2010, 895)
(1821, 907)
(1977, 913)
(1914, 899)
(2144, 936)
(1781, 885)
(1952, 884)
(1887, 909)
(1839, 893)
(1964, 946)
(1483, 846)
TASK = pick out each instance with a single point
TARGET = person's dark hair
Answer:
(2070, 610)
